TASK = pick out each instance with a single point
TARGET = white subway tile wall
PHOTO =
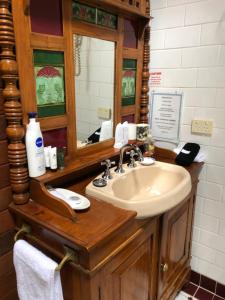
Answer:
(188, 47)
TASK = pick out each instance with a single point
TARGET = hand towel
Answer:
(35, 273)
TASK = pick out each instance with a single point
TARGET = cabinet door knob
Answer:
(164, 267)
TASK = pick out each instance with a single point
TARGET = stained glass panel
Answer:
(129, 82)
(94, 15)
(49, 77)
(106, 19)
(84, 12)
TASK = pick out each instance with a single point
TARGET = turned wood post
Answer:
(12, 107)
(145, 72)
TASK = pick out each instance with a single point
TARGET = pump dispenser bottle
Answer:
(35, 147)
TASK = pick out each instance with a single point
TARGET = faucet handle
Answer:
(108, 163)
(132, 163)
(132, 153)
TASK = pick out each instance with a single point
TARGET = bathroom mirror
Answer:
(94, 72)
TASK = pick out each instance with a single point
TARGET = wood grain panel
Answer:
(3, 152)
(6, 242)
(7, 270)
(39, 41)
(6, 264)
(5, 197)
(179, 225)
(6, 221)
(2, 128)
(12, 295)
(174, 246)
(4, 176)
(132, 277)
(7, 283)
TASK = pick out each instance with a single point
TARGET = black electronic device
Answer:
(187, 154)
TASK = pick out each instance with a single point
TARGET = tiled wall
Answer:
(95, 84)
(188, 47)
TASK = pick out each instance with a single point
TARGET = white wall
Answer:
(94, 87)
(188, 47)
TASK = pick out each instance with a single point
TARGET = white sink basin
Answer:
(149, 190)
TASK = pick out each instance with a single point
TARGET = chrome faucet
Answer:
(120, 168)
(139, 153)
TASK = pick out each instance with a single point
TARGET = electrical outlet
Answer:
(104, 113)
(202, 127)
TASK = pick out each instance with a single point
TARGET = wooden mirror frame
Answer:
(19, 102)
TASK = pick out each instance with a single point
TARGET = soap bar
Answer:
(187, 154)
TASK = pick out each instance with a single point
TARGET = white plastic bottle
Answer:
(35, 148)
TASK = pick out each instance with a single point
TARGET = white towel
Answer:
(35, 273)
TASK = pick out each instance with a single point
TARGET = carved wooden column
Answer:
(12, 107)
(145, 72)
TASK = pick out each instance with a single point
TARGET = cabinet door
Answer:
(175, 248)
(132, 273)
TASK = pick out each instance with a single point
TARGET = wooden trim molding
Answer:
(12, 107)
(145, 72)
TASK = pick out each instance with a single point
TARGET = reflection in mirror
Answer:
(94, 89)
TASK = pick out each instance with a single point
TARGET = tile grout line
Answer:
(196, 291)
(210, 292)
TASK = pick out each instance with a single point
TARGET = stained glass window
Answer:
(49, 77)
(94, 15)
(129, 82)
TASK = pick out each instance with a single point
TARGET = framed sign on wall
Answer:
(165, 116)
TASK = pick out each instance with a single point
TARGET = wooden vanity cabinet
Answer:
(131, 275)
(174, 261)
(119, 257)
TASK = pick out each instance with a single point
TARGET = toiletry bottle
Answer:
(149, 146)
(53, 159)
(35, 147)
(47, 156)
(60, 158)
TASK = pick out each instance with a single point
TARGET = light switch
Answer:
(104, 113)
(202, 127)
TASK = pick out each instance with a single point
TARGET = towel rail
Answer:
(72, 256)
(69, 256)
(24, 229)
